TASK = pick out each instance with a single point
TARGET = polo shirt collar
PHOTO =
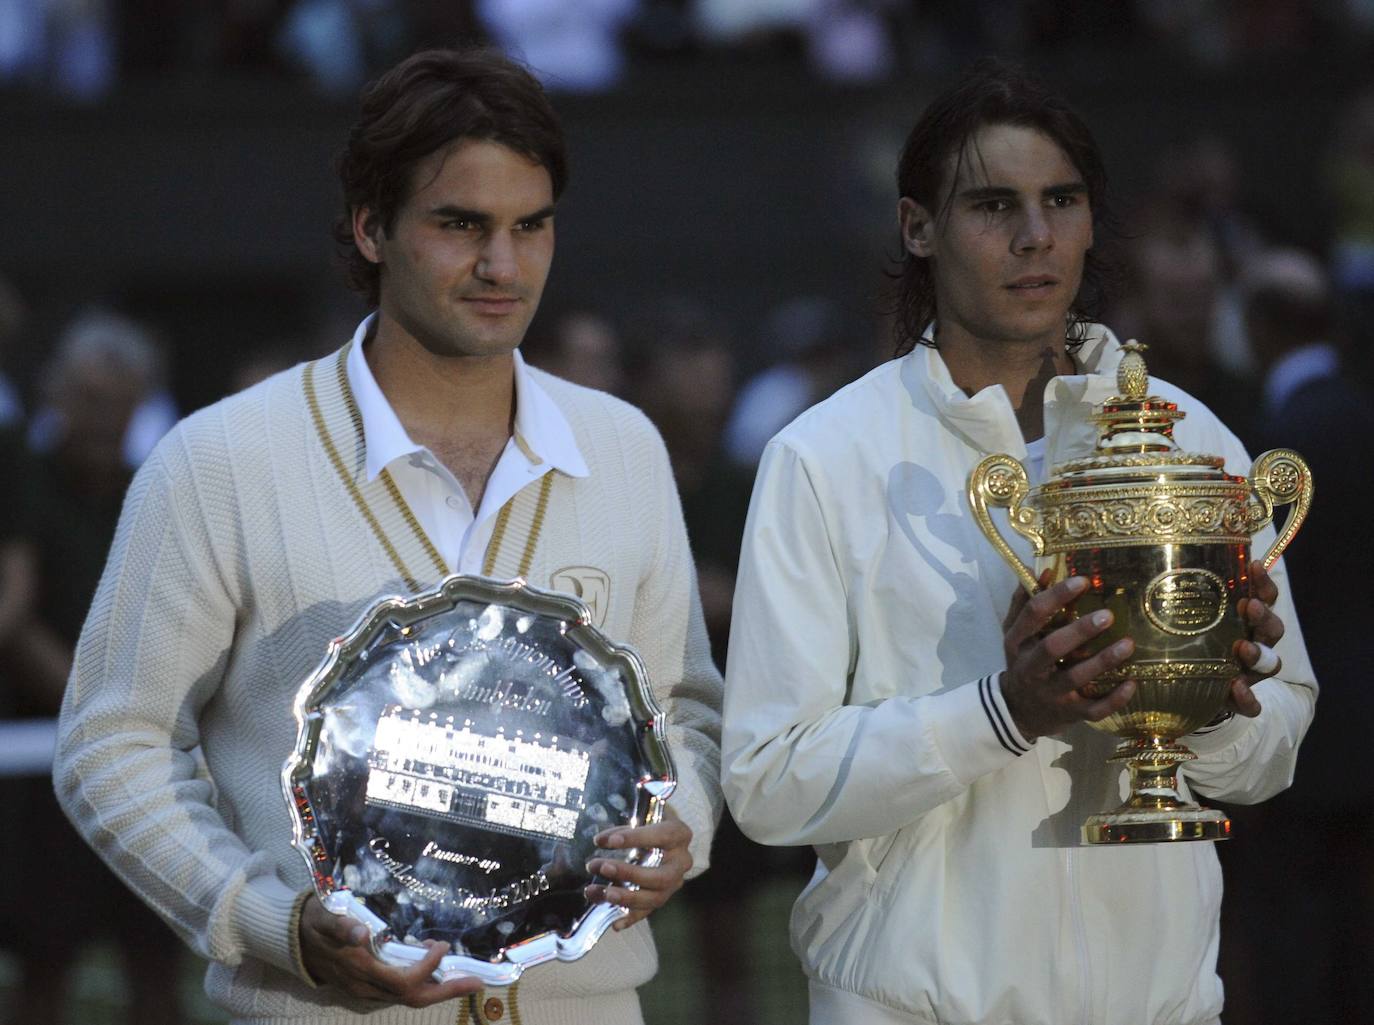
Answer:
(542, 432)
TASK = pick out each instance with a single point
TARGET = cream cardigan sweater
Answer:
(251, 538)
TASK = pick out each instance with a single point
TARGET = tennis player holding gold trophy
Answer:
(1163, 537)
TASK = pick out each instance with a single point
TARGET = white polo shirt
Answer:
(542, 441)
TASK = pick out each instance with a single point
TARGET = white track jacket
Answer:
(863, 716)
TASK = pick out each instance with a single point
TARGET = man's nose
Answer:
(1033, 232)
(497, 263)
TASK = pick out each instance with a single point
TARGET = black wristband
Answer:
(1222, 717)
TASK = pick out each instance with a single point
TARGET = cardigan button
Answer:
(493, 1009)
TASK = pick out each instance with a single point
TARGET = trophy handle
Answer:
(1001, 480)
(1281, 477)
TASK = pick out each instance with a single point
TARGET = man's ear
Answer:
(367, 231)
(918, 227)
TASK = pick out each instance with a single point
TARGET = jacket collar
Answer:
(988, 422)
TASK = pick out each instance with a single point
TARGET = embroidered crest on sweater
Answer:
(590, 584)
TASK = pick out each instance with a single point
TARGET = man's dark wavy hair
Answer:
(991, 92)
(424, 103)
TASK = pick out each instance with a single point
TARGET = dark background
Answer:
(191, 189)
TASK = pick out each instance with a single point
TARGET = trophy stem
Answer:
(1155, 812)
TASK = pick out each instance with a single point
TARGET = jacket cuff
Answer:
(689, 802)
(267, 916)
(974, 729)
(293, 939)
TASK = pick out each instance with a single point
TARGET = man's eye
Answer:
(994, 206)
(538, 225)
(1063, 201)
(460, 225)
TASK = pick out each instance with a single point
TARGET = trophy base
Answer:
(1190, 822)
(1156, 812)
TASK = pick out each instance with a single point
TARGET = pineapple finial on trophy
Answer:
(1133, 420)
(1132, 379)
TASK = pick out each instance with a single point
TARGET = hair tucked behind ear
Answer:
(992, 92)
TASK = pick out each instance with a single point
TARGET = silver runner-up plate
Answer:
(456, 755)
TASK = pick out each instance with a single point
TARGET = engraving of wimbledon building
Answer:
(508, 783)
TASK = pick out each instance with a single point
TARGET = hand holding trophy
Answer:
(1161, 539)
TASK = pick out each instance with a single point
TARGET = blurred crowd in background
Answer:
(1271, 327)
(85, 48)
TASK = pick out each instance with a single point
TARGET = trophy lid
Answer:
(1136, 433)
(1138, 489)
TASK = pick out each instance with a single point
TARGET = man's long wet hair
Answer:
(992, 92)
(424, 103)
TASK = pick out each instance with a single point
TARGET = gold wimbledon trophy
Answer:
(1163, 538)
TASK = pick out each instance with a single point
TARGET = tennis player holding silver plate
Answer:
(457, 753)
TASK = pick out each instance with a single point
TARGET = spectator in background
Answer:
(844, 40)
(140, 352)
(16, 577)
(277, 354)
(1175, 277)
(15, 569)
(338, 43)
(68, 502)
(83, 61)
(23, 39)
(572, 45)
(1201, 32)
(1321, 831)
(1350, 182)
(1200, 179)
(850, 41)
(686, 387)
(16, 596)
(1311, 404)
(816, 350)
(101, 374)
(579, 346)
